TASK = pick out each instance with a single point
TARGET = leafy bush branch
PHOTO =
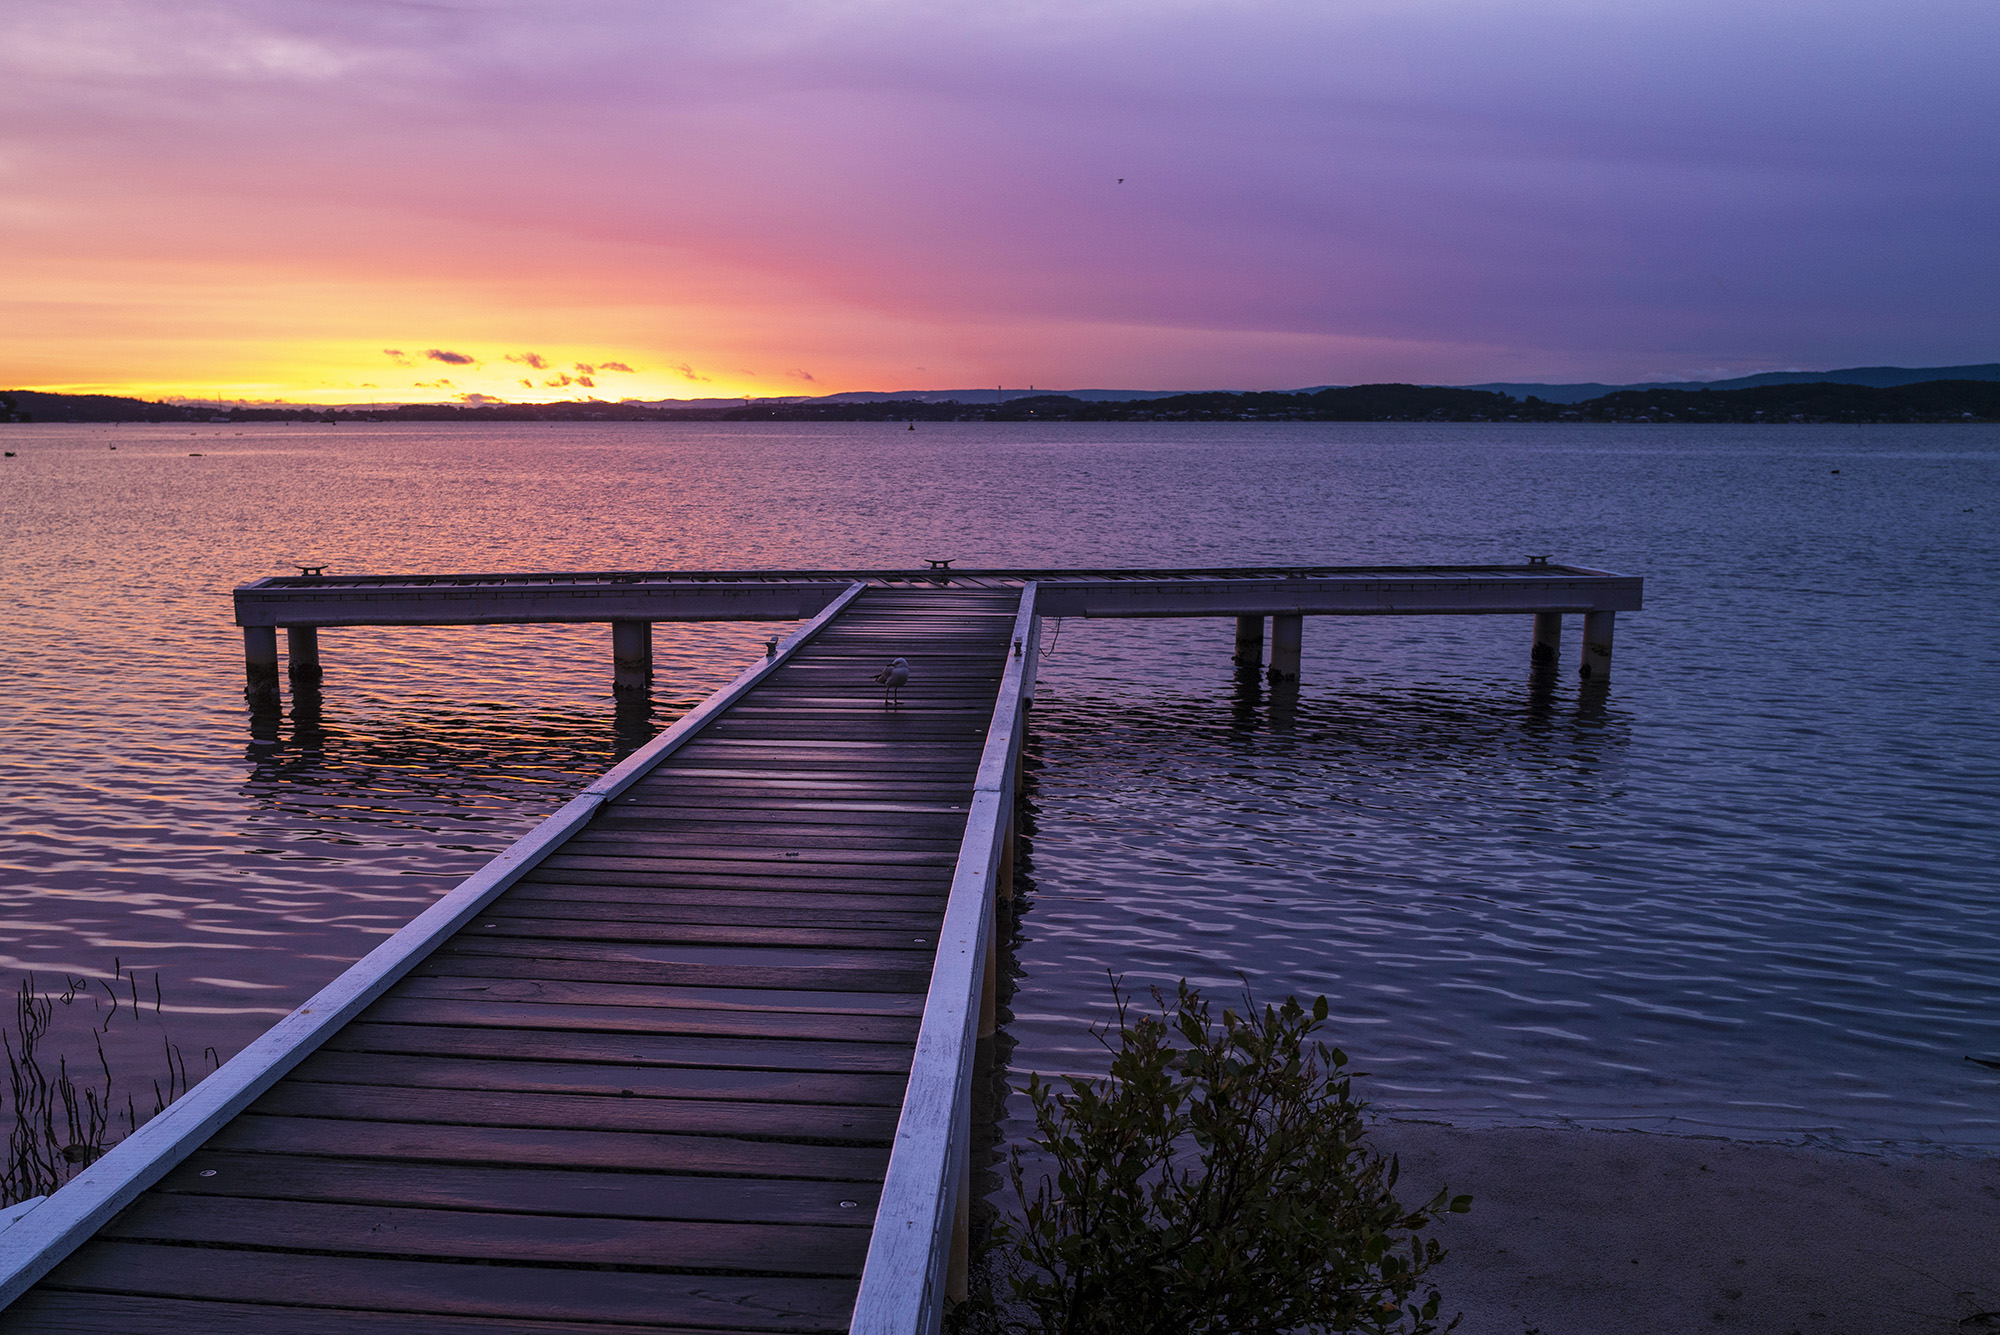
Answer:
(1217, 1183)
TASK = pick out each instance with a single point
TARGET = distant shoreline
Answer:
(1933, 401)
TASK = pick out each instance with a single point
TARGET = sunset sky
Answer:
(418, 201)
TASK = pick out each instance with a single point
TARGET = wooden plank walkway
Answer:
(653, 1084)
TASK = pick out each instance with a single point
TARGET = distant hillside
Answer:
(994, 396)
(1880, 377)
(1357, 403)
(1811, 401)
(1935, 401)
(1792, 400)
(28, 405)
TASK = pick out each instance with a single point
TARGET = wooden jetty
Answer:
(696, 1053)
(632, 600)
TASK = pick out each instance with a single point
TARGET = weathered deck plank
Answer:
(853, 1122)
(57, 1312)
(285, 1279)
(393, 1231)
(498, 1075)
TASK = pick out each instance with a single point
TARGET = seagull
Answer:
(892, 679)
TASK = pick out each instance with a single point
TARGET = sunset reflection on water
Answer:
(1714, 897)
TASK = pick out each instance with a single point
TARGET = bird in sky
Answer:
(892, 679)
(1121, 180)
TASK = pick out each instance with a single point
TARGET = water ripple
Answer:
(1747, 890)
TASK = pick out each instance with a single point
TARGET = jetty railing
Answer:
(42, 1236)
(917, 1255)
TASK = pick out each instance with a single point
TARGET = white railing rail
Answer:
(38, 1239)
(904, 1280)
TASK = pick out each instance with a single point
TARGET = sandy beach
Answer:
(1628, 1233)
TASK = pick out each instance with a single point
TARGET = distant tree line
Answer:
(1930, 401)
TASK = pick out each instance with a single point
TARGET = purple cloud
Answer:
(449, 358)
(614, 366)
(1312, 192)
(534, 361)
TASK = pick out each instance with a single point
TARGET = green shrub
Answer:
(1218, 1185)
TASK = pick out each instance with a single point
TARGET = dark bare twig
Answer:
(58, 1126)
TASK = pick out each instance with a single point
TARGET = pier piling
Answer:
(1287, 645)
(1548, 639)
(1596, 664)
(302, 655)
(989, 990)
(1005, 880)
(1249, 642)
(958, 1267)
(260, 663)
(631, 656)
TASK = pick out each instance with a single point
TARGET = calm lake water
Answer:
(1749, 890)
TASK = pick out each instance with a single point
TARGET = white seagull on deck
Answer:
(892, 679)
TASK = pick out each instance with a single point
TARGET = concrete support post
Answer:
(302, 655)
(1006, 876)
(631, 656)
(260, 662)
(1548, 639)
(1287, 644)
(1249, 642)
(1034, 669)
(989, 991)
(1596, 665)
(958, 1269)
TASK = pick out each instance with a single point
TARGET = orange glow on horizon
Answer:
(217, 331)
